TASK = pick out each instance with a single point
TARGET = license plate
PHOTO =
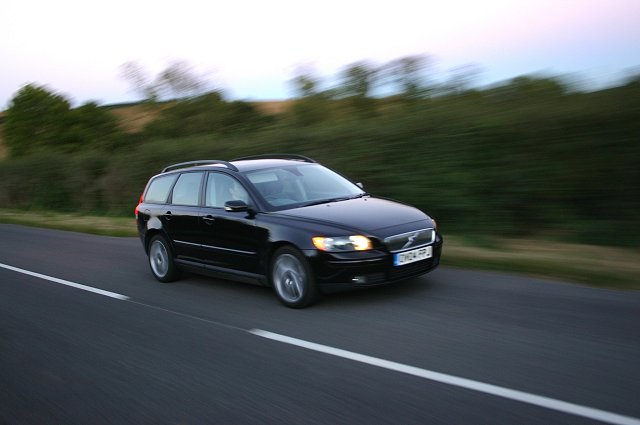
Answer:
(412, 256)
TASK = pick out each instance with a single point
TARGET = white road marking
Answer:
(541, 401)
(65, 282)
(546, 402)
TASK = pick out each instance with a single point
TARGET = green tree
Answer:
(357, 84)
(39, 119)
(90, 127)
(311, 105)
(461, 79)
(206, 114)
(179, 80)
(36, 118)
(139, 80)
(407, 77)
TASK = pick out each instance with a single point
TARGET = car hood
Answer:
(375, 216)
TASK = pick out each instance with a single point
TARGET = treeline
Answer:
(526, 158)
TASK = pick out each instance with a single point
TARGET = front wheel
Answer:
(161, 260)
(292, 279)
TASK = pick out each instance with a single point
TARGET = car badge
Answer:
(410, 240)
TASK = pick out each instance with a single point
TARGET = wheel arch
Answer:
(149, 234)
(295, 284)
(269, 257)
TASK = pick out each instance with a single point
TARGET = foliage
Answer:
(357, 85)
(206, 114)
(312, 105)
(179, 80)
(36, 118)
(407, 77)
(39, 119)
(527, 158)
(358, 93)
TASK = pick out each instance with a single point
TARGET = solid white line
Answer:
(546, 402)
(65, 282)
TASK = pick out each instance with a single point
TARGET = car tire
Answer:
(161, 260)
(292, 279)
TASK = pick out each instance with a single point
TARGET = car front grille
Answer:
(410, 240)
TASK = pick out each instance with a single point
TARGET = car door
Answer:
(182, 216)
(228, 238)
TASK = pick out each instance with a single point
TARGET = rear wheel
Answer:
(161, 260)
(292, 279)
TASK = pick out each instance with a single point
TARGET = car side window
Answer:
(187, 189)
(222, 188)
(159, 189)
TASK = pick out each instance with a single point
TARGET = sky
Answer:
(252, 48)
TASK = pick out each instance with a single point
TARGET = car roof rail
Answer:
(200, 162)
(276, 156)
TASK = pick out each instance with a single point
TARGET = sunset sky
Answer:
(252, 48)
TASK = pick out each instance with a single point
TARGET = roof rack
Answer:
(200, 162)
(277, 156)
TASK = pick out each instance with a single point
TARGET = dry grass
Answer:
(273, 107)
(133, 118)
(591, 264)
(109, 226)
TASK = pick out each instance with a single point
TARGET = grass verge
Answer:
(606, 267)
(97, 225)
(602, 266)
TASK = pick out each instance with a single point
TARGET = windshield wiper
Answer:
(325, 201)
(337, 199)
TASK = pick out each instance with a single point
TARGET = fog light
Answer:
(359, 279)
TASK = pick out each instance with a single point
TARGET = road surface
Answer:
(88, 336)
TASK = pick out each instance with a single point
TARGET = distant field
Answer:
(134, 117)
(273, 107)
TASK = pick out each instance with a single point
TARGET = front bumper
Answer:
(342, 272)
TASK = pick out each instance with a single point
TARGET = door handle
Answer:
(209, 219)
(167, 215)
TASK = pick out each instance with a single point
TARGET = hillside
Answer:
(133, 117)
(527, 159)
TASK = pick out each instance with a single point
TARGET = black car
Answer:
(283, 221)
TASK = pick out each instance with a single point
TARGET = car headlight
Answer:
(342, 243)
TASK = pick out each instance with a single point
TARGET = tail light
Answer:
(138, 206)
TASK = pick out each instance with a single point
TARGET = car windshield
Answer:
(301, 185)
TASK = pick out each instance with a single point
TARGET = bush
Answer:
(515, 161)
(39, 119)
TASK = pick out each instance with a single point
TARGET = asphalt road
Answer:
(452, 347)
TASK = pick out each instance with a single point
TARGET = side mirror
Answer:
(236, 206)
(360, 185)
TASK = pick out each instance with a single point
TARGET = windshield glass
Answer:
(300, 185)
